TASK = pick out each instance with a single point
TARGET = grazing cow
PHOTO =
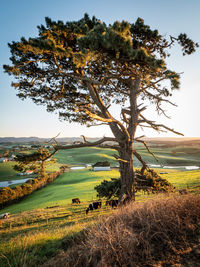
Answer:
(94, 206)
(113, 203)
(183, 192)
(4, 215)
(76, 201)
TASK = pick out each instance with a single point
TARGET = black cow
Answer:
(4, 215)
(113, 203)
(76, 201)
(94, 206)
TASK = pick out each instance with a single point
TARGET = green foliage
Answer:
(108, 189)
(188, 46)
(52, 67)
(150, 181)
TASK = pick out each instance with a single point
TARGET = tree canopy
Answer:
(80, 68)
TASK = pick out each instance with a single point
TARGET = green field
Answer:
(176, 156)
(46, 222)
(82, 156)
(7, 173)
(81, 183)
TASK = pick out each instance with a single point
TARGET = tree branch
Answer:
(147, 148)
(144, 165)
(87, 144)
(152, 84)
(157, 126)
(97, 117)
(99, 124)
(160, 98)
(114, 125)
(119, 159)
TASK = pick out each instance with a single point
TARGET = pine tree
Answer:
(80, 68)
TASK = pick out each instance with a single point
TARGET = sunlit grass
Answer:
(32, 237)
(6, 171)
(183, 179)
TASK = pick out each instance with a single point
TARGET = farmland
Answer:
(81, 183)
(45, 223)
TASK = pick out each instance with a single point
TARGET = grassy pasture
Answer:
(31, 238)
(77, 183)
(7, 173)
(34, 233)
(37, 233)
(81, 156)
(81, 183)
(176, 156)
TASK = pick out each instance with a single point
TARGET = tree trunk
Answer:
(127, 173)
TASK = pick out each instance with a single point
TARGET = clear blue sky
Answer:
(20, 18)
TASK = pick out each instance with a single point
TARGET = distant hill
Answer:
(33, 139)
(168, 141)
(173, 141)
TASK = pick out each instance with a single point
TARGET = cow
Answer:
(76, 201)
(94, 206)
(4, 215)
(183, 192)
(113, 203)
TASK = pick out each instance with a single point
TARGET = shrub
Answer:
(150, 181)
(109, 189)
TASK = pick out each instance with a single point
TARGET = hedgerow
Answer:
(12, 195)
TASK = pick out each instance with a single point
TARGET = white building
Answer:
(102, 168)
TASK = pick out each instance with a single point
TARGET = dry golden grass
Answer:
(142, 234)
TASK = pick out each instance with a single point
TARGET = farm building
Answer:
(29, 172)
(101, 166)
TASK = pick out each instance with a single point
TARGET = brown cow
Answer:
(76, 201)
(183, 191)
(113, 203)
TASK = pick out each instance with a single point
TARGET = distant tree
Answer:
(6, 153)
(81, 68)
(34, 161)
